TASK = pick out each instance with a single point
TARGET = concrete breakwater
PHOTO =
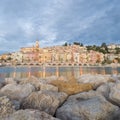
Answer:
(89, 97)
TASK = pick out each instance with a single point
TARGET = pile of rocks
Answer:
(87, 98)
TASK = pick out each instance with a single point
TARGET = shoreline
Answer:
(60, 66)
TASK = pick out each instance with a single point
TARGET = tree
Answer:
(81, 44)
(65, 44)
(117, 50)
(76, 43)
(103, 45)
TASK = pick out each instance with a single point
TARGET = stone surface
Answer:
(50, 79)
(32, 80)
(47, 101)
(17, 92)
(104, 90)
(10, 81)
(29, 114)
(48, 87)
(39, 84)
(71, 87)
(62, 78)
(96, 80)
(6, 106)
(87, 106)
(115, 93)
(16, 104)
(1, 85)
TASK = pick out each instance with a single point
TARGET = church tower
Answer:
(37, 44)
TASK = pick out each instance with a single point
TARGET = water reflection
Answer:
(43, 71)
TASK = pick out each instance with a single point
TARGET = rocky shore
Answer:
(89, 97)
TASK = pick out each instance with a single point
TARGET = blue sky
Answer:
(54, 22)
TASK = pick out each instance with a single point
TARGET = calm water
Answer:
(42, 72)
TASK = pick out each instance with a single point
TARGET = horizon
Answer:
(58, 21)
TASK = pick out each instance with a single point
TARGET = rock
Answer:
(114, 95)
(1, 85)
(71, 87)
(47, 101)
(6, 106)
(16, 104)
(29, 114)
(87, 106)
(62, 78)
(118, 77)
(50, 79)
(10, 81)
(18, 80)
(32, 80)
(39, 84)
(104, 90)
(44, 87)
(17, 92)
(96, 80)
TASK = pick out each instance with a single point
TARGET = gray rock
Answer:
(50, 79)
(48, 87)
(16, 104)
(32, 80)
(10, 81)
(39, 84)
(87, 106)
(6, 106)
(96, 80)
(17, 92)
(29, 114)
(114, 95)
(47, 101)
(1, 85)
(104, 90)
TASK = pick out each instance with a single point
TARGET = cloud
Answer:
(54, 22)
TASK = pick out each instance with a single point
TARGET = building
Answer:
(59, 55)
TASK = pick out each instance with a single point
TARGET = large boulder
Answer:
(17, 92)
(39, 84)
(71, 87)
(28, 114)
(114, 95)
(6, 106)
(32, 80)
(96, 80)
(87, 106)
(47, 101)
(104, 90)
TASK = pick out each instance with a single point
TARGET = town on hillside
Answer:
(67, 54)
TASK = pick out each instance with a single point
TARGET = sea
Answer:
(46, 71)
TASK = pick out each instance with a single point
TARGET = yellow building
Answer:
(35, 48)
(59, 54)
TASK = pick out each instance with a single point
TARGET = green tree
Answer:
(104, 46)
(76, 43)
(117, 50)
(81, 44)
(65, 44)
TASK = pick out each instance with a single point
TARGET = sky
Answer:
(54, 22)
